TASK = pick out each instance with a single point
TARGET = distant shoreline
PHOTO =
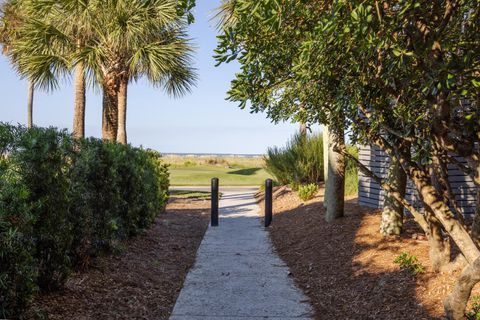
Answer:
(186, 154)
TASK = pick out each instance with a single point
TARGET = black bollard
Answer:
(214, 196)
(268, 202)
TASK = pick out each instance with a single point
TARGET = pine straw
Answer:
(346, 267)
(144, 280)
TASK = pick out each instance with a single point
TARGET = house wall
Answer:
(370, 193)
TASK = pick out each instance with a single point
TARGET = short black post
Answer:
(214, 196)
(268, 202)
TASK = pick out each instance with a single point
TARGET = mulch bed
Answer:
(346, 267)
(144, 279)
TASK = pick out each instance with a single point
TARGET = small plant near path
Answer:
(474, 312)
(308, 191)
(410, 263)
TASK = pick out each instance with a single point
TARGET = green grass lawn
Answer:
(232, 171)
(202, 175)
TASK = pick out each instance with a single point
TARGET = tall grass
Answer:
(299, 162)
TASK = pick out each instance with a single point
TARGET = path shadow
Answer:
(339, 265)
(245, 172)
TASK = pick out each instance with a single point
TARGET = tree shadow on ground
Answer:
(345, 267)
(245, 172)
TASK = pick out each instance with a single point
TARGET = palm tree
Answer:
(48, 43)
(135, 39)
(11, 20)
(116, 40)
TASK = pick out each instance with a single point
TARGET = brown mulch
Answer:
(346, 267)
(144, 279)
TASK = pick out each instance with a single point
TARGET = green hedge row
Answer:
(63, 201)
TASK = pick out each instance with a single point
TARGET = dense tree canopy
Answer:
(404, 75)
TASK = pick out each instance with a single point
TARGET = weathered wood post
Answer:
(214, 206)
(268, 202)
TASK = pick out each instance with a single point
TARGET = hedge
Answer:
(63, 201)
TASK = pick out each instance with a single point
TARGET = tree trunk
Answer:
(392, 214)
(456, 302)
(439, 247)
(79, 111)
(31, 90)
(335, 187)
(122, 111)
(325, 163)
(110, 113)
(444, 215)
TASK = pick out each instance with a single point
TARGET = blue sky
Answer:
(201, 122)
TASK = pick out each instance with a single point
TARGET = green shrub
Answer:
(42, 157)
(300, 162)
(62, 201)
(410, 263)
(18, 272)
(474, 312)
(307, 192)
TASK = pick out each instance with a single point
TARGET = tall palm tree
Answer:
(117, 40)
(135, 39)
(48, 43)
(12, 18)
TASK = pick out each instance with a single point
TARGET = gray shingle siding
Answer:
(370, 194)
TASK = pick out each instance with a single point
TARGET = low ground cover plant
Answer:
(474, 312)
(308, 191)
(63, 201)
(409, 263)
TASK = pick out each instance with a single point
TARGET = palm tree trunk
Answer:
(110, 112)
(122, 111)
(79, 112)
(335, 188)
(31, 90)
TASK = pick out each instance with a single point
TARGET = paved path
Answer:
(236, 275)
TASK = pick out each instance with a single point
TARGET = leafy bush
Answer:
(307, 192)
(41, 156)
(410, 263)
(300, 162)
(474, 312)
(62, 201)
(18, 272)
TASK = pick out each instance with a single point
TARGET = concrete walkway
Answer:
(237, 275)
